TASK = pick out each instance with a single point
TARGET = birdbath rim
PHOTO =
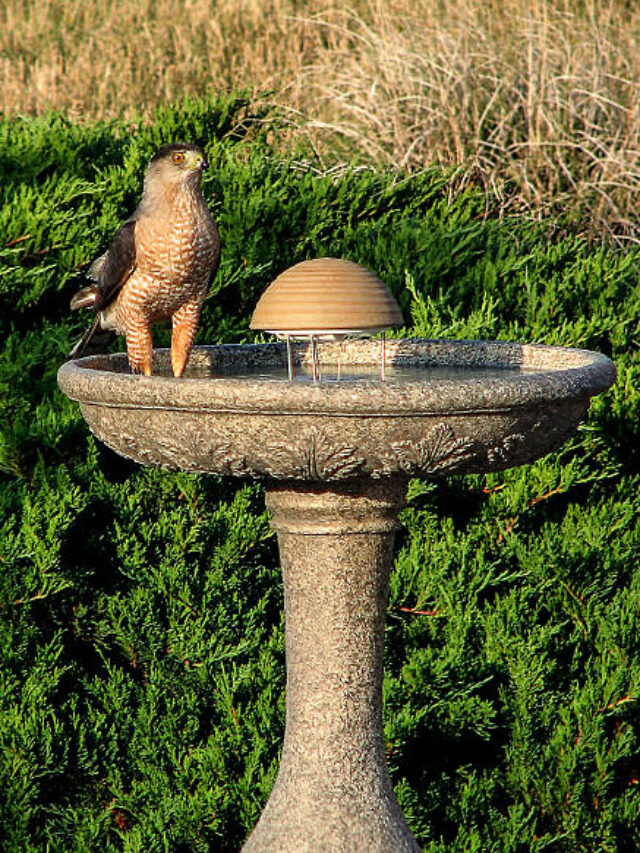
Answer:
(522, 375)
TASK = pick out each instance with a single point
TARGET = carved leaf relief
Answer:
(157, 452)
(221, 458)
(437, 452)
(504, 449)
(312, 457)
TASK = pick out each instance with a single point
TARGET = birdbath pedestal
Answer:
(336, 457)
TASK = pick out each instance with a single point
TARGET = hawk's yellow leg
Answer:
(185, 326)
(139, 344)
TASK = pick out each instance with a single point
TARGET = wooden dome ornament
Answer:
(326, 298)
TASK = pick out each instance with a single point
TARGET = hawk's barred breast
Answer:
(176, 254)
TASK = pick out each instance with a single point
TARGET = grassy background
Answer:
(141, 633)
(538, 100)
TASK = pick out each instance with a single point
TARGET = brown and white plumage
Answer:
(160, 263)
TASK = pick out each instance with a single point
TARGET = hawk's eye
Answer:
(178, 157)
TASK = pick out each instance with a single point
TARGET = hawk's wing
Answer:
(112, 269)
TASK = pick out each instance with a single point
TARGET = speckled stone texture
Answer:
(333, 791)
(262, 427)
(336, 457)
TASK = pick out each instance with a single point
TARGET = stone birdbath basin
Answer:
(336, 456)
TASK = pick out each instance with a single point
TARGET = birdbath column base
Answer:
(333, 791)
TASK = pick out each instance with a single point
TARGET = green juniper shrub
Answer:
(141, 636)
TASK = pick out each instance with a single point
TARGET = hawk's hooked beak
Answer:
(197, 162)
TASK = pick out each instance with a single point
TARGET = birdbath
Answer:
(336, 456)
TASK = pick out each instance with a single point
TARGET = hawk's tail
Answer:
(85, 298)
(94, 335)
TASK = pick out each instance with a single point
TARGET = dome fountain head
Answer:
(326, 299)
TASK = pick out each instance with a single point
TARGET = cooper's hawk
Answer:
(160, 262)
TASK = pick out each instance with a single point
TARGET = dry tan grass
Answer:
(531, 94)
(539, 99)
(109, 57)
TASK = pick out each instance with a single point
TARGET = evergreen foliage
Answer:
(141, 630)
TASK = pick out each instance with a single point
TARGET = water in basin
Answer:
(332, 373)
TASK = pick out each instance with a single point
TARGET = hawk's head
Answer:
(177, 163)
